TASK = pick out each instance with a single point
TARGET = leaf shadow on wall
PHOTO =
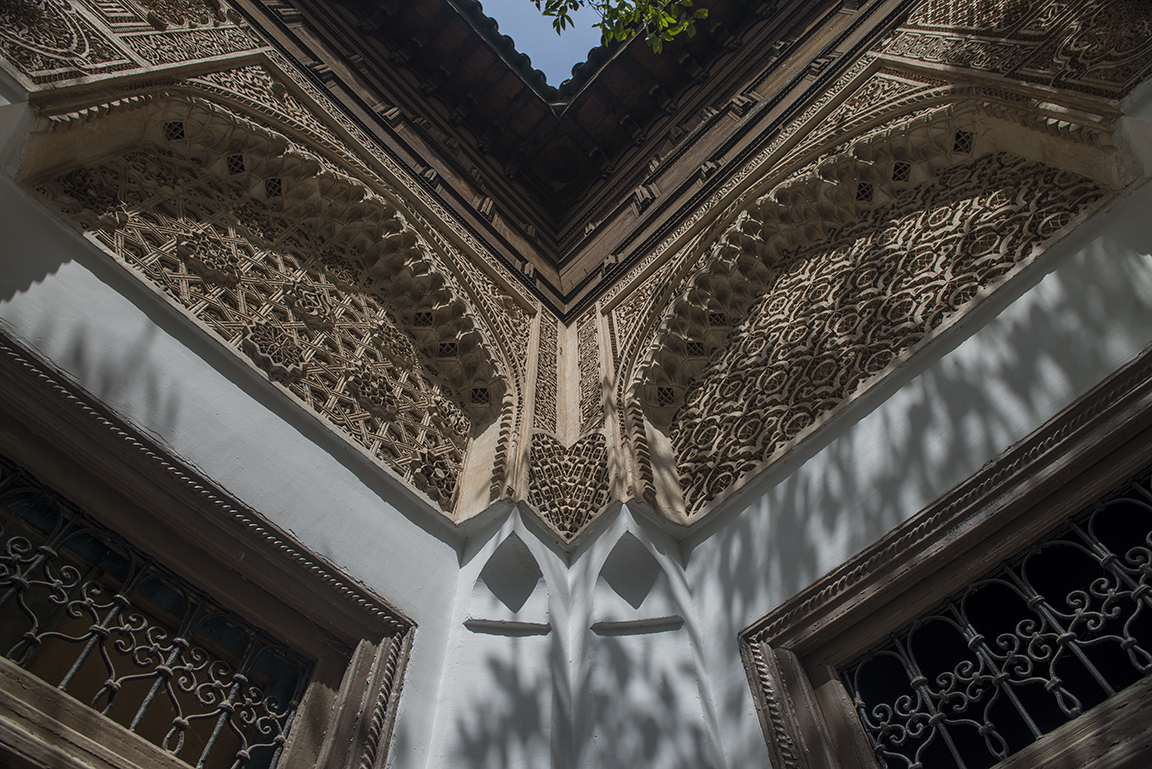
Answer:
(38, 251)
(957, 404)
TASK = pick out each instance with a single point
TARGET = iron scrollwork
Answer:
(94, 616)
(1048, 635)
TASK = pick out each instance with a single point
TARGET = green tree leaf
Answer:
(659, 21)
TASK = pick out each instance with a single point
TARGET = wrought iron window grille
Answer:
(94, 616)
(1049, 634)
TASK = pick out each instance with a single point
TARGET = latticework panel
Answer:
(588, 358)
(544, 412)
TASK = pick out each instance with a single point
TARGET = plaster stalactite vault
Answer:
(325, 287)
(583, 379)
(822, 318)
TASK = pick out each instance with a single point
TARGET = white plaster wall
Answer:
(594, 675)
(66, 300)
(643, 698)
(498, 696)
(638, 698)
(496, 703)
(1033, 349)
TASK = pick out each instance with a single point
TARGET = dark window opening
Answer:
(864, 192)
(901, 172)
(480, 396)
(273, 187)
(665, 396)
(235, 164)
(174, 131)
(97, 618)
(964, 142)
(448, 350)
(423, 319)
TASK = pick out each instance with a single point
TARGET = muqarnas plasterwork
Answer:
(840, 310)
(569, 486)
(303, 305)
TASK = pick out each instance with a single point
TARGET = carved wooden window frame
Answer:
(792, 655)
(79, 450)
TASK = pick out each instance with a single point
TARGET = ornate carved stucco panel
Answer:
(588, 361)
(544, 410)
(569, 485)
(843, 308)
(902, 133)
(569, 472)
(320, 282)
(1082, 36)
(1100, 47)
(48, 42)
(278, 92)
(275, 95)
(503, 313)
(882, 129)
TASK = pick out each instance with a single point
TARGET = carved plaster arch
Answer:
(273, 91)
(270, 98)
(874, 97)
(823, 187)
(807, 205)
(336, 296)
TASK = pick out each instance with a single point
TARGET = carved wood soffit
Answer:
(873, 213)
